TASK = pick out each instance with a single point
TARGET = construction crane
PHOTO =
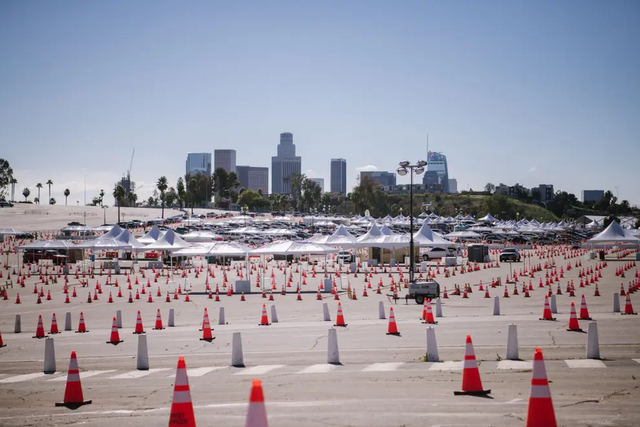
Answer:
(126, 182)
(131, 165)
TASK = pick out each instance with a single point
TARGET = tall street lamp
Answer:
(417, 169)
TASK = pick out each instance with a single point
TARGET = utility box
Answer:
(328, 286)
(478, 253)
(243, 286)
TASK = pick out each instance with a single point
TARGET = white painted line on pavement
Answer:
(24, 377)
(446, 366)
(585, 363)
(198, 372)
(84, 375)
(636, 360)
(318, 369)
(258, 370)
(137, 374)
(515, 364)
(383, 367)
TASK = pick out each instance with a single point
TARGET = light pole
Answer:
(407, 168)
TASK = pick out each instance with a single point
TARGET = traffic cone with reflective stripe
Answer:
(546, 314)
(429, 314)
(573, 320)
(471, 383)
(257, 413)
(540, 412)
(54, 325)
(40, 329)
(181, 405)
(206, 328)
(139, 328)
(584, 311)
(264, 320)
(340, 319)
(73, 397)
(82, 328)
(628, 308)
(393, 328)
(115, 335)
(158, 325)
(2, 344)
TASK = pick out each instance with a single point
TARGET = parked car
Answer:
(346, 257)
(438, 253)
(510, 254)
(5, 204)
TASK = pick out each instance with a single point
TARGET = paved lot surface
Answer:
(383, 380)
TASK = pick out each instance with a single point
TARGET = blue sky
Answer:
(511, 91)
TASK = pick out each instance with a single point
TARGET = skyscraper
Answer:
(284, 164)
(198, 163)
(339, 176)
(453, 185)
(387, 180)
(254, 178)
(225, 159)
(438, 162)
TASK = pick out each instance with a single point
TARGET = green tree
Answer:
(162, 187)
(66, 195)
(26, 193)
(132, 198)
(101, 197)
(6, 178)
(49, 183)
(311, 194)
(119, 194)
(13, 183)
(253, 200)
(490, 188)
(170, 197)
(38, 186)
(181, 192)
(608, 220)
(295, 181)
(52, 201)
(192, 190)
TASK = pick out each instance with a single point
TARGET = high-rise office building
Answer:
(254, 178)
(319, 182)
(198, 163)
(225, 159)
(546, 192)
(592, 195)
(339, 176)
(284, 165)
(438, 162)
(453, 185)
(387, 180)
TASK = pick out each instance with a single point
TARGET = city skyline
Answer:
(510, 92)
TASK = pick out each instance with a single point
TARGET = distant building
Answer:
(198, 163)
(225, 159)
(546, 192)
(319, 181)
(339, 176)
(254, 178)
(387, 180)
(453, 185)
(437, 162)
(592, 195)
(513, 191)
(431, 177)
(284, 165)
(417, 188)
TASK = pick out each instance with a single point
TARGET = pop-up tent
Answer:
(613, 235)
(152, 236)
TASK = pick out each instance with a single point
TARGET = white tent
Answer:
(169, 242)
(127, 237)
(613, 234)
(341, 237)
(201, 236)
(386, 231)
(114, 232)
(152, 236)
(211, 249)
(289, 247)
(426, 237)
(49, 244)
(487, 218)
(374, 238)
(104, 243)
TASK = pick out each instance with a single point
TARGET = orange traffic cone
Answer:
(540, 412)
(393, 328)
(158, 321)
(264, 320)
(206, 328)
(584, 311)
(628, 308)
(546, 314)
(2, 344)
(40, 329)
(429, 314)
(73, 397)
(181, 406)
(256, 414)
(573, 320)
(82, 328)
(54, 325)
(471, 383)
(340, 320)
(115, 335)
(139, 328)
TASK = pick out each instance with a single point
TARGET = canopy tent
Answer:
(114, 232)
(49, 244)
(152, 235)
(128, 238)
(289, 247)
(169, 242)
(103, 228)
(487, 218)
(426, 237)
(199, 249)
(201, 236)
(10, 231)
(104, 243)
(613, 234)
(374, 238)
(386, 231)
(214, 249)
(341, 237)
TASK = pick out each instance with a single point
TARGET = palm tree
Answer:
(192, 189)
(26, 193)
(162, 186)
(181, 192)
(66, 194)
(119, 194)
(101, 198)
(49, 183)
(13, 188)
(38, 186)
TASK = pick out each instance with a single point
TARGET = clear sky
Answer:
(511, 91)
